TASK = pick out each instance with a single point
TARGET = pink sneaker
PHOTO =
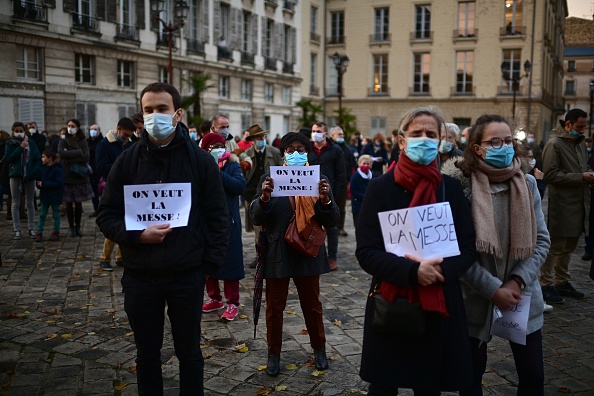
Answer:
(212, 305)
(231, 312)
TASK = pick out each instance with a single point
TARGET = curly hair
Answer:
(292, 137)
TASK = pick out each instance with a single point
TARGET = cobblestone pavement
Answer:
(63, 330)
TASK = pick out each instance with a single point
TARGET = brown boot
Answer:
(333, 266)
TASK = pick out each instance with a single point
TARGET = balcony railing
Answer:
(85, 23)
(378, 38)
(288, 67)
(29, 11)
(512, 31)
(271, 3)
(466, 34)
(570, 92)
(381, 90)
(289, 5)
(333, 40)
(269, 63)
(421, 35)
(418, 91)
(315, 37)
(314, 91)
(195, 46)
(248, 58)
(462, 89)
(126, 32)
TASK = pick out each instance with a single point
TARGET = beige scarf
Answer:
(522, 219)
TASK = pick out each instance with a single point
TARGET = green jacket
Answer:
(14, 153)
(564, 160)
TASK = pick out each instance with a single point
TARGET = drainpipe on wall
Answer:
(532, 62)
(324, 63)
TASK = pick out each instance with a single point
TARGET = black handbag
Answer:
(399, 317)
(80, 170)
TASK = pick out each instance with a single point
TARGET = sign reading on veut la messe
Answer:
(425, 232)
(295, 180)
(152, 204)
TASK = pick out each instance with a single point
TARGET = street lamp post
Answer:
(515, 80)
(341, 62)
(591, 101)
(181, 13)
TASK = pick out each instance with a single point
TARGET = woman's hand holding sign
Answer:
(267, 188)
(430, 271)
(324, 189)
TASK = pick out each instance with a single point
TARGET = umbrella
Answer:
(261, 249)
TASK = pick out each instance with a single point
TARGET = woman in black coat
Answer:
(284, 263)
(440, 358)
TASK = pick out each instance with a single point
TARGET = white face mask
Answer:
(217, 153)
(93, 132)
(317, 137)
(32, 130)
(72, 131)
(532, 163)
(20, 135)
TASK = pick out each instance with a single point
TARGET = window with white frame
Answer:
(246, 121)
(125, 74)
(246, 90)
(337, 27)
(314, 20)
(267, 123)
(32, 110)
(125, 12)
(224, 22)
(247, 41)
(512, 62)
(285, 124)
(422, 69)
(268, 50)
(423, 21)
(569, 87)
(380, 74)
(381, 24)
(378, 125)
(512, 18)
(286, 95)
(84, 69)
(313, 70)
(163, 75)
(466, 19)
(224, 87)
(269, 93)
(28, 63)
(464, 71)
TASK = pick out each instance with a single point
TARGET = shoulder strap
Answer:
(292, 199)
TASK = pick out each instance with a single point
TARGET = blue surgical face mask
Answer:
(463, 140)
(340, 140)
(421, 150)
(530, 140)
(217, 153)
(296, 159)
(260, 144)
(445, 147)
(193, 135)
(62, 136)
(574, 133)
(500, 158)
(93, 132)
(159, 125)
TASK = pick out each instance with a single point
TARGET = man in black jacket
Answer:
(349, 165)
(165, 265)
(329, 156)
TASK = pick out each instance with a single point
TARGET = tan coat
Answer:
(564, 160)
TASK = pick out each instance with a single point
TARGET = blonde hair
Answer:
(410, 115)
(364, 157)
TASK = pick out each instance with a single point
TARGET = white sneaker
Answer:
(547, 307)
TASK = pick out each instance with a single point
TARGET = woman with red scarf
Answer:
(440, 359)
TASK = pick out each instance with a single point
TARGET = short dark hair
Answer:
(204, 127)
(292, 137)
(127, 124)
(80, 135)
(49, 153)
(16, 125)
(163, 87)
(573, 115)
(322, 125)
(137, 117)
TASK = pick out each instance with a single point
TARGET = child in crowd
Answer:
(51, 187)
(359, 183)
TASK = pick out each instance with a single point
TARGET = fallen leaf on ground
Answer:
(291, 366)
(317, 373)
(309, 363)
(564, 389)
(279, 388)
(82, 256)
(243, 316)
(337, 322)
(132, 369)
(242, 348)
(291, 312)
(261, 368)
(130, 334)
(303, 331)
(66, 336)
(121, 386)
(207, 355)
(263, 391)
(50, 337)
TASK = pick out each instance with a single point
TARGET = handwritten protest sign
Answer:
(425, 232)
(151, 204)
(512, 324)
(295, 180)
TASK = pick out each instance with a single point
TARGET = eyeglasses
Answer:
(291, 150)
(497, 143)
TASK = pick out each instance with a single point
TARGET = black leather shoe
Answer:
(273, 366)
(320, 360)
(72, 231)
(78, 232)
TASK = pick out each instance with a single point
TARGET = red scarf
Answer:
(423, 182)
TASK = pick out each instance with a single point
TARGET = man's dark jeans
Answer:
(144, 301)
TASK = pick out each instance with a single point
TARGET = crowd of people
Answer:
(492, 182)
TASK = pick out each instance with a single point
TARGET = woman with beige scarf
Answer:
(512, 243)
(283, 262)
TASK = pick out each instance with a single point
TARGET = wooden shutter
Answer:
(112, 9)
(263, 40)
(101, 10)
(69, 6)
(32, 110)
(255, 34)
(278, 39)
(293, 42)
(236, 27)
(204, 21)
(216, 20)
(140, 14)
(49, 4)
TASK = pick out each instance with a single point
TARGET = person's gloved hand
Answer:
(245, 166)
